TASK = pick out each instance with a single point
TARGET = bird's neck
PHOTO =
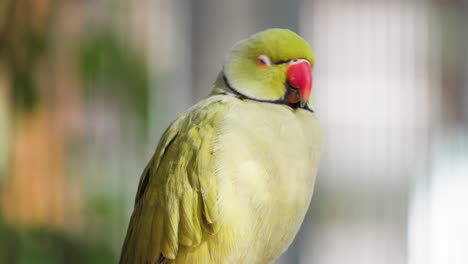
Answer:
(221, 87)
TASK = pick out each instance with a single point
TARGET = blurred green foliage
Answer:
(44, 246)
(114, 70)
(25, 95)
(103, 216)
(109, 70)
(30, 48)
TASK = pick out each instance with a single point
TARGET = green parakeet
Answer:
(232, 178)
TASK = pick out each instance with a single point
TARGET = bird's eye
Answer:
(263, 61)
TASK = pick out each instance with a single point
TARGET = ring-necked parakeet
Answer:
(232, 178)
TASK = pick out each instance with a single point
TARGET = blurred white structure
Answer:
(372, 85)
(438, 219)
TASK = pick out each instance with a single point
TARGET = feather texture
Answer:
(176, 202)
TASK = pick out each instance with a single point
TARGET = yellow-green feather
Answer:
(177, 198)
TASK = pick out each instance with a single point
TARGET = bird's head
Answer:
(274, 65)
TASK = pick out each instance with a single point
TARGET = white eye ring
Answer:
(263, 61)
(296, 61)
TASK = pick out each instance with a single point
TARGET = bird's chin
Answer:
(292, 96)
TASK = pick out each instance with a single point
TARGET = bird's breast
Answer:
(267, 159)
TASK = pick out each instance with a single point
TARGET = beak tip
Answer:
(303, 103)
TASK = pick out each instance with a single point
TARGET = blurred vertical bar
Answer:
(4, 124)
(438, 211)
(170, 64)
(371, 93)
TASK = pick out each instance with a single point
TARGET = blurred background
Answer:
(87, 88)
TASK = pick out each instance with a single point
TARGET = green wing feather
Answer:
(176, 203)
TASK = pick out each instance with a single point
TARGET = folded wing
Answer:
(177, 203)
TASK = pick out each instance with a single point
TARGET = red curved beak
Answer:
(299, 76)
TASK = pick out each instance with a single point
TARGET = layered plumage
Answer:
(232, 178)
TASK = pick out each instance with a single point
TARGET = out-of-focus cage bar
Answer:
(372, 91)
